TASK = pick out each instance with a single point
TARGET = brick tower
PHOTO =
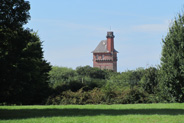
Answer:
(105, 56)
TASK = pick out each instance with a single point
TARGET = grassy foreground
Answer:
(133, 113)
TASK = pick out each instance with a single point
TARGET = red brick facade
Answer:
(105, 56)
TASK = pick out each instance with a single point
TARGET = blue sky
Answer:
(71, 29)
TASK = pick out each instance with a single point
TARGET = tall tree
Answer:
(149, 81)
(14, 13)
(23, 70)
(172, 62)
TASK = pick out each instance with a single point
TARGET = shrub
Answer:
(134, 96)
(96, 96)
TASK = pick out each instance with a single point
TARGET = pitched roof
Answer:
(102, 47)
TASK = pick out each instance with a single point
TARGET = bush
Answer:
(94, 96)
(134, 96)
(89, 85)
(99, 96)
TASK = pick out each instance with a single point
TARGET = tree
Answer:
(91, 72)
(61, 75)
(14, 13)
(149, 81)
(172, 62)
(24, 72)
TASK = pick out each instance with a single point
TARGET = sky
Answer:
(71, 29)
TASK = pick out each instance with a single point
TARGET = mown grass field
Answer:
(133, 113)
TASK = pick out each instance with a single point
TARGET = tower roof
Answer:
(102, 47)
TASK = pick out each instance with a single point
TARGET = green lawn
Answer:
(139, 113)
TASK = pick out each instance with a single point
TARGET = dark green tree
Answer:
(23, 70)
(172, 62)
(91, 72)
(149, 81)
(14, 13)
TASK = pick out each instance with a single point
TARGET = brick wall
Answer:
(105, 61)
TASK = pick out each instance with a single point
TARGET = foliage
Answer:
(95, 73)
(24, 72)
(78, 97)
(134, 95)
(128, 78)
(109, 91)
(99, 96)
(83, 77)
(14, 14)
(26, 78)
(117, 88)
(149, 82)
(60, 75)
(172, 62)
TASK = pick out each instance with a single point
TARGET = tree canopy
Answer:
(14, 13)
(172, 62)
(24, 72)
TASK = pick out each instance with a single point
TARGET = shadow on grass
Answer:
(36, 113)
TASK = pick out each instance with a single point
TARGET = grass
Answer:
(136, 113)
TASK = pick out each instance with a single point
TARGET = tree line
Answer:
(88, 85)
(27, 78)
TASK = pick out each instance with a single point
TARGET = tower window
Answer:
(102, 56)
(96, 56)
